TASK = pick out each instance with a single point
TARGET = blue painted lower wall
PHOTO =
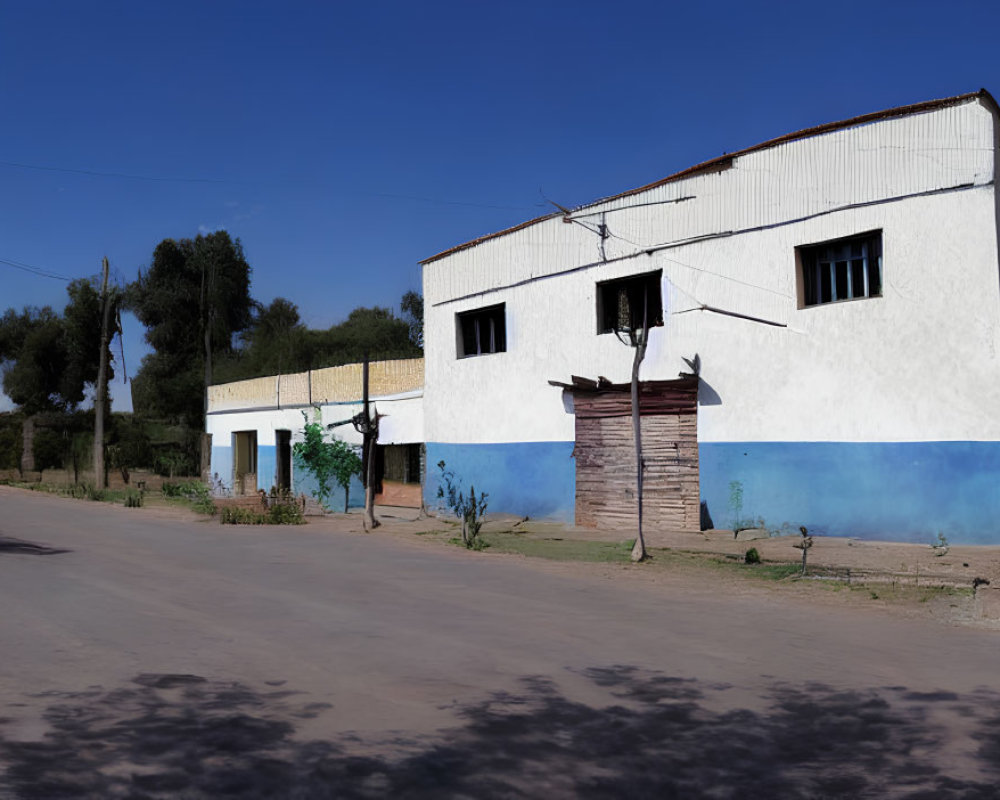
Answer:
(267, 464)
(535, 479)
(898, 491)
(221, 467)
(304, 482)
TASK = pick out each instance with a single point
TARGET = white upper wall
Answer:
(401, 421)
(918, 363)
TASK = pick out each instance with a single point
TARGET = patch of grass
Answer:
(192, 493)
(730, 564)
(560, 549)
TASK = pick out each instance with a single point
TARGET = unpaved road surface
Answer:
(163, 657)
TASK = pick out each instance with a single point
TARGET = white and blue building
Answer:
(254, 425)
(836, 290)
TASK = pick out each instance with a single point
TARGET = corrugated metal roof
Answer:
(724, 161)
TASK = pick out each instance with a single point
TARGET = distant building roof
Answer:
(723, 161)
(330, 385)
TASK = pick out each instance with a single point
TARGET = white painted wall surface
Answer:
(402, 423)
(917, 364)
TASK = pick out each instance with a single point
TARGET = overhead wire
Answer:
(40, 271)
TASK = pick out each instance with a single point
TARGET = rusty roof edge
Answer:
(720, 161)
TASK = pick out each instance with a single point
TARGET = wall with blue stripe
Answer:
(267, 466)
(304, 482)
(534, 479)
(896, 491)
(222, 465)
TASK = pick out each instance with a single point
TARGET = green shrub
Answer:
(133, 499)
(468, 508)
(50, 448)
(194, 491)
(752, 556)
(91, 492)
(286, 514)
(232, 515)
(282, 514)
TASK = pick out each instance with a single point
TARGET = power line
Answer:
(41, 271)
(99, 174)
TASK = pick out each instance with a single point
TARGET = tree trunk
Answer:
(347, 496)
(371, 442)
(28, 445)
(639, 548)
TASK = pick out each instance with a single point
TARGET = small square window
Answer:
(482, 331)
(621, 303)
(844, 269)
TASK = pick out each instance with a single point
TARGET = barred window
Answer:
(622, 303)
(482, 331)
(844, 269)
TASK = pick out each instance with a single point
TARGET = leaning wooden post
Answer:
(370, 434)
(101, 394)
(639, 548)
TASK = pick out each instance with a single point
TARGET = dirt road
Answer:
(161, 657)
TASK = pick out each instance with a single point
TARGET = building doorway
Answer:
(398, 474)
(283, 469)
(245, 462)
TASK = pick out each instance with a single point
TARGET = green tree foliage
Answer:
(278, 342)
(346, 464)
(326, 461)
(49, 359)
(314, 456)
(196, 291)
(275, 343)
(376, 331)
(10, 441)
(412, 306)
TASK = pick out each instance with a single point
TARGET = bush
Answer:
(50, 448)
(468, 508)
(752, 556)
(133, 499)
(195, 492)
(286, 514)
(281, 514)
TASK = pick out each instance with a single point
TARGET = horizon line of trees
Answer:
(204, 327)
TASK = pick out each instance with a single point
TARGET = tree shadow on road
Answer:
(656, 736)
(9, 544)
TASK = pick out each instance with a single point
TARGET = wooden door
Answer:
(605, 456)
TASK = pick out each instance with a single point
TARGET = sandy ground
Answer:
(896, 572)
(151, 653)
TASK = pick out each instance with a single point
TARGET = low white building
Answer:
(837, 292)
(254, 425)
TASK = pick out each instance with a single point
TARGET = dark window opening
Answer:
(845, 269)
(622, 303)
(482, 331)
(283, 471)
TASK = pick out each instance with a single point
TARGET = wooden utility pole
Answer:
(208, 319)
(639, 548)
(370, 433)
(100, 400)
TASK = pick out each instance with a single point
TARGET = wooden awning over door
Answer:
(605, 454)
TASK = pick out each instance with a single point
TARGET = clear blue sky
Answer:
(343, 142)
